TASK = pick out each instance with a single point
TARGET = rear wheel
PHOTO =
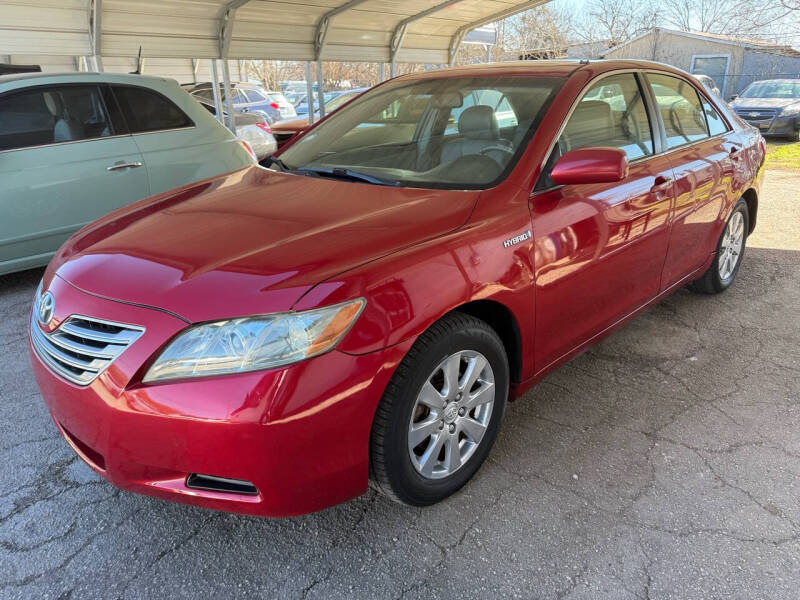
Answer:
(730, 251)
(441, 412)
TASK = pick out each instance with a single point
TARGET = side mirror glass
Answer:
(590, 165)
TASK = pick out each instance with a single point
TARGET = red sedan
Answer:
(267, 341)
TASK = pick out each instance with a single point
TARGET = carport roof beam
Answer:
(324, 24)
(399, 33)
(226, 26)
(458, 36)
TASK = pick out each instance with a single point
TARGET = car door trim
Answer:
(94, 139)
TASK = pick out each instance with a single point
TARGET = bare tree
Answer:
(743, 17)
(617, 21)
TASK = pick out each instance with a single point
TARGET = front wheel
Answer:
(730, 251)
(441, 412)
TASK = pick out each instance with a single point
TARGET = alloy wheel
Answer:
(731, 246)
(451, 414)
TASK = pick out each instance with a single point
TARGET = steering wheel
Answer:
(497, 147)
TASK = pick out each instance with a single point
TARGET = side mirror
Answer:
(734, 97)
(590, 165)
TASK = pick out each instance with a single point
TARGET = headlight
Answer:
(254, 343)
(792, 109)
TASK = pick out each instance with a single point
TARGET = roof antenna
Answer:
(138, 70)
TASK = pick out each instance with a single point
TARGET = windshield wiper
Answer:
(272, 160)
(342, 173)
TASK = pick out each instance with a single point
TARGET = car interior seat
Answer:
(478, 133)
(65, 128)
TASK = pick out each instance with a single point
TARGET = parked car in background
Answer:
(76, 146)
(772, 105)
(301, 101)
(250, 127)
(249, 97)
(708, 83)
(287, 129)
(267, 341)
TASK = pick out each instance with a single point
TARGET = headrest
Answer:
(53, 103)
(478, 123)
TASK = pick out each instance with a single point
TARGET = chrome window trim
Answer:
(663, 152)
(164, 130)
(94, 139)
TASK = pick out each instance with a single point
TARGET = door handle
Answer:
(660, 183)
(127, 165)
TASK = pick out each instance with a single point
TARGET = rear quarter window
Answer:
(146, 110)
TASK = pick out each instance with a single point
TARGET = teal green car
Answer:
(74, 147)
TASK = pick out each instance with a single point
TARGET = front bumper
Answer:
(300, 434)
(773, 125)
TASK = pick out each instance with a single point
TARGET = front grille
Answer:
(82, 347)
(757, 114)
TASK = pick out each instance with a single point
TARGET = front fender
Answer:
(410, 290)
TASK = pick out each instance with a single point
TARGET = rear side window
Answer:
(612, 113)
(680, 108)
(716, 124)
(52, 116)
(253, 96)
(146, 110)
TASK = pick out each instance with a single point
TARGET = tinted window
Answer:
(238, 97)
(716, 124)
(52, 116)
(146, 110)
(680, 109)
(611, 113)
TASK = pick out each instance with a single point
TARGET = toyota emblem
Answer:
(47, 306)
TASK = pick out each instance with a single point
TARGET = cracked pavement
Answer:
(663, 463)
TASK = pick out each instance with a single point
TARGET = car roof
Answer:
(66, 77)
(543, 68)
(782, 80)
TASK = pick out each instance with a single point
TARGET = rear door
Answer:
(703, 154)
(65, 160)
(599, 248)
(176, 150)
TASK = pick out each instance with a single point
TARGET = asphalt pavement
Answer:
(663, 463)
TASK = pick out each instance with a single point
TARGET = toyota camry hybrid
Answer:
(271, 340)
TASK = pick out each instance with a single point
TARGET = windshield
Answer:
(458, 133)
(773, 89)
(334, 103)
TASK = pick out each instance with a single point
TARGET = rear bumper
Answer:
(299, 434)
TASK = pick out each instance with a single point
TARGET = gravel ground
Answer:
(663, 463)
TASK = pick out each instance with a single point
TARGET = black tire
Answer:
(391, 470)
(711, 281)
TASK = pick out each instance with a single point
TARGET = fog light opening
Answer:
(220, 484)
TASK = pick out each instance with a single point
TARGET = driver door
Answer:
(600, 248)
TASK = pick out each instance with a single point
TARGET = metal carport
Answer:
(411, 31)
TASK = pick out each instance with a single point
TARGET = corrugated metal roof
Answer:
(361, 30)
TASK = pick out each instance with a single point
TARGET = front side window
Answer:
(612, 113)
(52, 116)
(146, 110)
(681, 111)
(430, 132)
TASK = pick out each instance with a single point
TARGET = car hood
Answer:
(745, 103)
(250, 242)
(290, 125)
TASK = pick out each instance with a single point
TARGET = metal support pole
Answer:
(309, 93)
(381, 72)
(215, 91)
(392, 69)
(320, 90)
(195, 64)
(226, 84)
(96, 24)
